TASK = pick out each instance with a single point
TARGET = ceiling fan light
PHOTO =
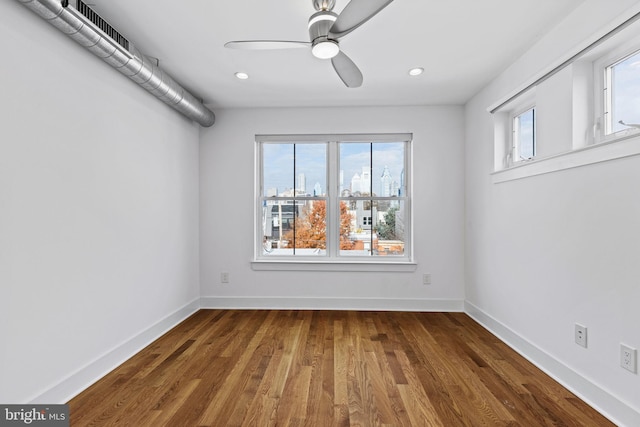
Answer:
(325, 49)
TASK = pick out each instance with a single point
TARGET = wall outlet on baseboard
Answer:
(628, 358)
(224, 277)
(581, 335)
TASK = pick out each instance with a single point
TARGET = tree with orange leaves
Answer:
(310, 230)
(345, 228)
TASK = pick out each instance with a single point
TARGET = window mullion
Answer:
(371, 210)
(295, 204)
(516, 136)
(607, 96)
(333, 203)
(532, 140)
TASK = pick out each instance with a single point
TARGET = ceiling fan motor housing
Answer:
(319, 25)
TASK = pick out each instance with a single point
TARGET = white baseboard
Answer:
(614, 409)
(87, 375)
(361, 304)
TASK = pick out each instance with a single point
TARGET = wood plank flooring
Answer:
(328, 368)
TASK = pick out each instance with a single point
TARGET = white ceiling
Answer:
(461, 44)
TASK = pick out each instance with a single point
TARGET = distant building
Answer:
(389, 187)
(386, 183)
(364, 216)
(272, 192)
(365, 180)
(355, 183)
(302, 183)
(361, 182)
(280, 220)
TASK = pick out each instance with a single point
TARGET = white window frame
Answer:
(602, 71)
(332, 260)
(515, 137)
(507, 150)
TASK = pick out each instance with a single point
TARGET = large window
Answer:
(333, 198)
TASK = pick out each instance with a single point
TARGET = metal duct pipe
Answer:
(132, 63)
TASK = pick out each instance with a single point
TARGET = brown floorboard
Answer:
(328, 368)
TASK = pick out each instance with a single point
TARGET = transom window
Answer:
(586, 104)
(524, 135)
(622, 94)
(333, 197)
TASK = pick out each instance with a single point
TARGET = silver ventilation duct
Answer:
(98, 37)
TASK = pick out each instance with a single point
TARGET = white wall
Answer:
(99, 222)
(227, 174)
(98, 213)
(547, 251)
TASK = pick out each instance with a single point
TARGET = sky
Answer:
(311, 159)
(626, 92)
(526, 141)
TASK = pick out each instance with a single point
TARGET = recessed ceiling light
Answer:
(242, 76)
(416, 71)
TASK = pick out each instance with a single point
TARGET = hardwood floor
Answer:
(329, 368)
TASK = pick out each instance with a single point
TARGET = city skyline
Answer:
(311, 161)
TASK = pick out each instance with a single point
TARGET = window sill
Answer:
(602, 152)
(363, 266)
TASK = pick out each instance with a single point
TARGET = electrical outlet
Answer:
(224, 277)
(581, 335)
(628, 358)
(426, 279)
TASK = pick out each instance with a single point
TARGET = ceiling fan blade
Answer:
(266, 44)
(354, 14)
(347, 70)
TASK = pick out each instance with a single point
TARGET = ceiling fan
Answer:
(326, 28)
